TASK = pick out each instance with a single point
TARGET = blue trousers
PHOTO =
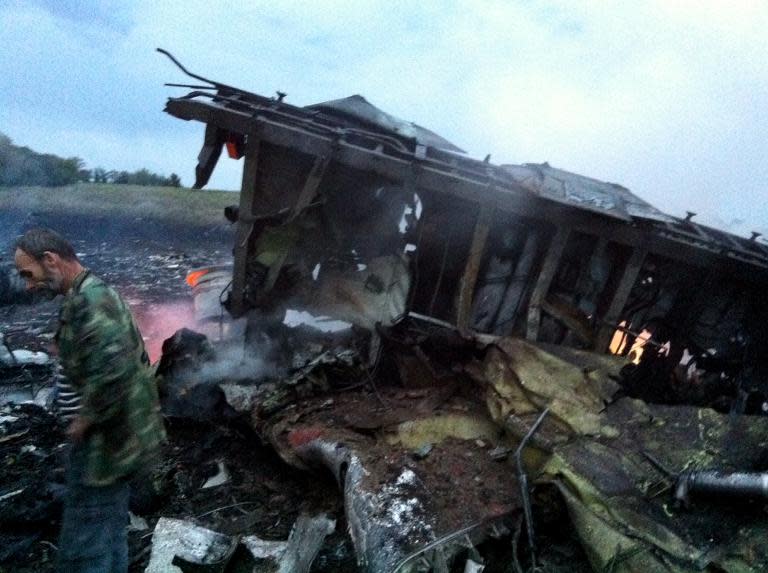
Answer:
(93, 537)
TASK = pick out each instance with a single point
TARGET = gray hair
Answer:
(35, 242)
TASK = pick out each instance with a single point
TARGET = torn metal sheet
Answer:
(622, 505)
(358, 108)
(584, 192)
(409, 511)
(403, 509)
(264, 549)
(620, 502)
(136, 522)
(179, 545)
(473, 567)
(221, 477)
(304, 543)
(22, 358)
(191, 542)
(402, 524)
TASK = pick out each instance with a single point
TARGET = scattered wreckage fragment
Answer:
(466, 300)
(25, 375)
(720, 483)
(31, 483)
(182, 546)
(411, 508)
(349, 213)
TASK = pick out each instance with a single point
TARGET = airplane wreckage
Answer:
(486, 337)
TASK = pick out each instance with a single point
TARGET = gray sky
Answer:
(668, 98)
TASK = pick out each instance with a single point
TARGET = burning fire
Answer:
(159, 321)
(619, 343)
(194, 277)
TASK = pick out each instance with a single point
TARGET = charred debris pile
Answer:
(498, 368)
(478, 341)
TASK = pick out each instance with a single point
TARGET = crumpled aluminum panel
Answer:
(360, 109)
(583, 192)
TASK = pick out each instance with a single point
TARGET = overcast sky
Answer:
(668, 98)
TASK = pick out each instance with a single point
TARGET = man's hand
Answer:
(77, 428)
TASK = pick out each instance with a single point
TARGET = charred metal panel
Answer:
(511, 257)
(578, 289)
(583, 192)
(522, 189)
(445, 236)
(244, 229)
(281, 177)
(314, 202)
(357, 108)
(209, 155)
(512, 305)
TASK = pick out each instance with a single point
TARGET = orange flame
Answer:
(619, 343)
(194, 277)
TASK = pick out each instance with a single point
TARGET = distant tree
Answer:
(145, 177)
(22, 166)
(99, 175)
(174, 180)
(121, 178)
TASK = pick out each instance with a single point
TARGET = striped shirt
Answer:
(68, 399)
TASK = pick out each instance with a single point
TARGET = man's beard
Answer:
(50, 289)
(46, 293)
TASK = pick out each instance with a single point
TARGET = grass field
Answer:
(182, 206)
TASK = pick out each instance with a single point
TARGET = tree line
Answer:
(21, 166)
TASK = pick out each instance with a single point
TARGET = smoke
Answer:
(233, 363)
(158, 321)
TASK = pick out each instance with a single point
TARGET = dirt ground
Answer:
(263, 496)
(147, 264)
(147, 261)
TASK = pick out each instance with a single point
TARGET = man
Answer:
(115, 428)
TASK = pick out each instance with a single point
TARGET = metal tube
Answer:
(716, 482)
(523, 480)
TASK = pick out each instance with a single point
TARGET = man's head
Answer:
(46, 261)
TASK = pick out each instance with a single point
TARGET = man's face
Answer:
(42, 275)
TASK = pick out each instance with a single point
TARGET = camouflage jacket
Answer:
(102, 354)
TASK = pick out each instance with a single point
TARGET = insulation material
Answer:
(618, 491)
(522, 380)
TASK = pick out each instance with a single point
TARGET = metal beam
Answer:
(245, 227)
(546, 275)
(619, 300)
(472, 268)
(311, 185)
(433, 176)
(462, 180)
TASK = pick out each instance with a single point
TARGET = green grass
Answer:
(178, 204)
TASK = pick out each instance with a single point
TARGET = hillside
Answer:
(142, 240)
(103, 211)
